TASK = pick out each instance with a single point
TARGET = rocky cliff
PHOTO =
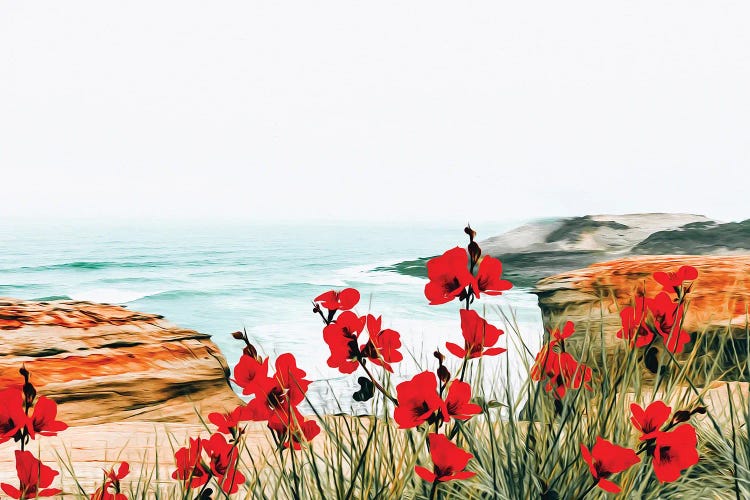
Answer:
(543, 248)
(104, 363)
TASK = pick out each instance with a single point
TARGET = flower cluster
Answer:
(343, 333)
(433, 399)
(275, 400)
(672, 447)
(659, 317)
(559, 368)
(23, 417)
(207, 458)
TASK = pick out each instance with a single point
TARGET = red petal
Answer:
(455, 350)
(425, 474)
(607, 485)
(348, 298)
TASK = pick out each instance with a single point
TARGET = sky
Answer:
(373, 111)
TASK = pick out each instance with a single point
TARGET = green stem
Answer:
(377, 384)
(433, 490)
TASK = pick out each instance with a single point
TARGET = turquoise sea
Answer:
(219, 278)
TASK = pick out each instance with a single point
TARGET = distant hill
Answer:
(539, 249)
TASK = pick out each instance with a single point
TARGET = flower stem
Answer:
(433, 490)
(377, 384)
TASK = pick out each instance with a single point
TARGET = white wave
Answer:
(111, 295)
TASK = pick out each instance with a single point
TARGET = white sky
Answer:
(373, 110)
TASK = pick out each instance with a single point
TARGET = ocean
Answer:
(219, 278)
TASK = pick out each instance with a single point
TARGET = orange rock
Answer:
(104, 363)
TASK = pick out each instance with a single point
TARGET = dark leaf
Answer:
(366, 391)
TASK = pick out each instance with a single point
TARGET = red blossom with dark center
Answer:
(457, 403)
(12, 416)
(561, 371)
(606, 459)
(189, 466)
(287, 387)
(672, 282)
(291, 428)
(417, 399)
(488, 278)
(43, 419)
(291, 379)
(382, 347)
(666, 317)
(448, 461)
(338, 301)
(478, 334)
(223, 459)
(633, 326)
(674, 452)
(651, 419)
(341, 337)
(34, 478)
(251, 374)
(449, 275)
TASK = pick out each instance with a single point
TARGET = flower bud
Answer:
(439, 356)
(443, 374)
(474, 253)
(681, 416)
(470, 232)
(238, 335)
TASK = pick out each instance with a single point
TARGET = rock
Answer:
(104, 363)
(592, 297)
(543, 248)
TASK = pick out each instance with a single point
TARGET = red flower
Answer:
(112, 482)
(189, 466)
(606, 459)
(341, 337)
(674, 452)
(418, 400)
(43, 420)
(667, 320)
(449, 461)
(251, 374)
(32, 475)
(12, 417)
(673, 281)
(633, 327)
(449, 275)
(291, 428)
(223, 459)
(477, 334)
(287, 387)
(290, 379)
(382, 348)
(488, 277)
(650, 420)
(561, 370)
(343, 300)
(568, 330)
(457, 402)
(228, 423)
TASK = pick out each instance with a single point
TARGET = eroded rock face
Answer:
(592, 298)
(104, 363)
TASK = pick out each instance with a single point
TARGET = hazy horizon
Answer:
(339, 112)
